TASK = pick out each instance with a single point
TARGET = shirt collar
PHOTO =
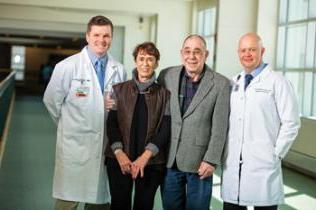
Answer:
(188, 77)
(258, 70)
(94, 57)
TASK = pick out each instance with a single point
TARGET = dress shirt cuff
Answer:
(153, 148)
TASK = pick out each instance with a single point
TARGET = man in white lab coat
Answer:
(264, 122)
(74, 99)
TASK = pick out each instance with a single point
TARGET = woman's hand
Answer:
(123, 161)
(140, 163)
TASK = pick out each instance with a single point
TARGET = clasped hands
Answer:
(134, 168)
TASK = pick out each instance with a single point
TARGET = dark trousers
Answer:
(121, 186)
(230, 206)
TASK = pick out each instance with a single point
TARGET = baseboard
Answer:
(301, 162)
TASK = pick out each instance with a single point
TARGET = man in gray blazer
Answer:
(199, 108)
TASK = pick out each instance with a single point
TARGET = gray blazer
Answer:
(200, 134)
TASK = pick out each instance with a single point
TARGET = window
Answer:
(296, 54)
(18, 61)
(206, 28)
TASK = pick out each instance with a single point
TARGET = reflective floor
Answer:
(300, 192)
(27, 166)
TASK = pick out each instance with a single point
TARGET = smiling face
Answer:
(250, 52)
(145, 65)
(193, 55)
(99, 39)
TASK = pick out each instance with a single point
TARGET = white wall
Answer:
(234, 19)
(267, 28)
(173, 26)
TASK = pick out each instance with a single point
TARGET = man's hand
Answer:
(205, 170)
(123, 161)
(140, 163)
(109, 102)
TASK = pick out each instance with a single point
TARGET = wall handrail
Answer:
(5, 82)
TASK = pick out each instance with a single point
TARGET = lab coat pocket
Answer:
(76, 148)
(262, 154)
(231, 156)
(264, 98)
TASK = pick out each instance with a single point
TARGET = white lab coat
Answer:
(75, 102)
(264, 122)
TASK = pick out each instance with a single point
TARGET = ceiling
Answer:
(37, 39)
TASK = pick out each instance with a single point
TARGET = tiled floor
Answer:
(27, 167)
(27, 164)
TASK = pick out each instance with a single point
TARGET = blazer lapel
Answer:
(205, 86)
(175, 92)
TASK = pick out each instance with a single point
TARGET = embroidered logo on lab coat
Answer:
(82, 91)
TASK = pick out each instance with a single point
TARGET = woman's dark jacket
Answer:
(141, 121)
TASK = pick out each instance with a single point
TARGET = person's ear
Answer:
(87, 37)
(263, 51)
(156, 65)
(206, 54)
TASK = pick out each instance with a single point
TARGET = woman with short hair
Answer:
(139, 133)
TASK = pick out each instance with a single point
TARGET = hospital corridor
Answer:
(35, 36)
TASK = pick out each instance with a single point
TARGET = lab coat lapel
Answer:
(89, 70)
(260, 77)
(111, 72)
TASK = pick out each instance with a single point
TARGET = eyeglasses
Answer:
(194, 52)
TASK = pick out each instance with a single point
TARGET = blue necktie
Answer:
(99, 66)
(248, 78)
